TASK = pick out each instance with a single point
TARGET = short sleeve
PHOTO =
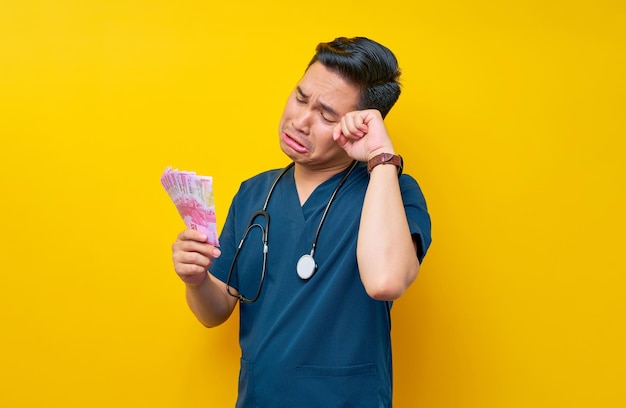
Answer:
(417, 214)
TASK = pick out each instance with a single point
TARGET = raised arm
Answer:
(386, 252)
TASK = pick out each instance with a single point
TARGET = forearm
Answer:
(386, 253)
(209, 301)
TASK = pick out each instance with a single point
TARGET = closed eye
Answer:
(300, 96)
(326, 119)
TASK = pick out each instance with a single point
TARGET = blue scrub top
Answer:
(322, 342)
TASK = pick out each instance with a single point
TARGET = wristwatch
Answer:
(386, 158)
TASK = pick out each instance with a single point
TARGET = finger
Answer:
(192, 235)
(337, 131)
(191, 267)
(190, 273)
(195, 246)
(353, 126)
(347, 128)
(191, 258)
(363, 127)
(342, 141)
(339, 137)
(359, 122)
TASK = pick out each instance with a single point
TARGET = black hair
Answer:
(371, 66)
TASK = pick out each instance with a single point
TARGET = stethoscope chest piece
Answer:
(306, 267)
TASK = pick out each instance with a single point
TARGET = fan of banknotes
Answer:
(193, 197)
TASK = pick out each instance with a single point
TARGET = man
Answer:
(315, 329)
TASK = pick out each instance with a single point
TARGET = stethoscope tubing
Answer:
(306, 266)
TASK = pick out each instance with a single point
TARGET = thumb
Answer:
(338, 136)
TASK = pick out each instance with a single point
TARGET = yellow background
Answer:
(511, 118)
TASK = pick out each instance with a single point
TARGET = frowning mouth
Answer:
(294, 144)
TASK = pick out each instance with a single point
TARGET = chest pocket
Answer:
(338, 387)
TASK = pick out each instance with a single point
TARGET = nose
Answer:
(302, 120)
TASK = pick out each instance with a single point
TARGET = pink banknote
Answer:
(193, 197)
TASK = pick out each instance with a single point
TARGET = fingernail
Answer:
(216, 252)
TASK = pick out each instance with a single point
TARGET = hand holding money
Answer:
(193, 197)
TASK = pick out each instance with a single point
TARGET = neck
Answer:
(307, 178)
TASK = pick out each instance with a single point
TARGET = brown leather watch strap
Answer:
(385, 158)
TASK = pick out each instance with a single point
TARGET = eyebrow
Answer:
(323, 105)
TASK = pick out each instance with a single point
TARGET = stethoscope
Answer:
(306, 266)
